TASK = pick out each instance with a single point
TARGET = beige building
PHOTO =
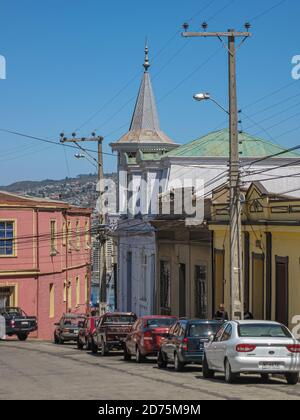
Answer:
(271, 253)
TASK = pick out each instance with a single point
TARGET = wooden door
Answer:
(282, 287)
(258, 262)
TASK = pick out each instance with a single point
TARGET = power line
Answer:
(266, 11)
(16, 133)
(131, 80)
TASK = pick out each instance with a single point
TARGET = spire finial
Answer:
(146, 63)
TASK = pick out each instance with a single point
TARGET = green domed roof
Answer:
(216, 144)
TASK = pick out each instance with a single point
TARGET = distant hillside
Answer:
(80, 191)
(29, 185)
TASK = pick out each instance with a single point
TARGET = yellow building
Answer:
(271, 253)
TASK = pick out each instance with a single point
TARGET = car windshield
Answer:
(74, 322)
(264, 330)
(203, 330)
(13, 312)
(160, 322)
(120, 319)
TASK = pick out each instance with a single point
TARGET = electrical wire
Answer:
(266, 11)
(16, 133)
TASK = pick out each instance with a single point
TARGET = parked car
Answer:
(86, 333)
(67, 329)
(185, 343)
(253, 347)
(18, 323)
(111, 331)
(146, 336)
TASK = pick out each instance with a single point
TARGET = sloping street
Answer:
(35, 370)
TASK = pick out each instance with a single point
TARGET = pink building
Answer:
(45, 258)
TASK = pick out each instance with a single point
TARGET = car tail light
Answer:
(245, 348)
(294, 348)
(185, 342)
(148, 335)
(66, 330)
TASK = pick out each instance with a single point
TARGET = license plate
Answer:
(75, 331)
(271, 365)
(24, 323)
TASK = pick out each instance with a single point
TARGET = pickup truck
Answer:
(18, 323)
(111, 331)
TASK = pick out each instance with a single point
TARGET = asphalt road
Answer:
(39, 370)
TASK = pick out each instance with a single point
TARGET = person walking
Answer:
(222, 313)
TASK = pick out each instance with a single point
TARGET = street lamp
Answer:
(206, 97)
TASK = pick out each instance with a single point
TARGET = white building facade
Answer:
(139, 152)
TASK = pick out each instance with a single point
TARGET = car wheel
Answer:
(161, 362)
(104, 351)
(138, 356)
(127, 356)
(178, 364)
(88, 345)
(22, 336)
(207, 373)
(79, 345)
(229, 376)
(94, 347)
(56, 340)
(265, 377)
(292, 378)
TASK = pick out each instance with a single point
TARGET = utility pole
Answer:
(102, 227)
(236, 272)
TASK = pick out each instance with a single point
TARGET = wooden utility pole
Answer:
(236, 274)
(102, 227)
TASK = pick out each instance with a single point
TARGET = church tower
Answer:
(144, 143)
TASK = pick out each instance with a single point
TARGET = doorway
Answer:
(129, 281)
(282, 289)
(219, 281)
(182, 290)
(258, 263)
(201, 311)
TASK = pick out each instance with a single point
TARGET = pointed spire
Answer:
(144, 127)
(146, 62)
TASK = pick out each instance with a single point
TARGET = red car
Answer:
(85, 335)
(146, 336)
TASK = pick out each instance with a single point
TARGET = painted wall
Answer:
(191, 254)
(140, 246)
(285, 243)
(35, 266)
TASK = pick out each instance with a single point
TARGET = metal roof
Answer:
(216, 144)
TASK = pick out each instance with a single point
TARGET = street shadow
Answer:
(187, 369)
(246, 380)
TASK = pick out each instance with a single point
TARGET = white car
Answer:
(258, 347)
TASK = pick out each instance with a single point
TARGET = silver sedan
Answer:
(258, 347)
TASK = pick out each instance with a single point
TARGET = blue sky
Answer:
(67, 59)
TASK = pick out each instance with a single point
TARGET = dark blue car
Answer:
(185, 343)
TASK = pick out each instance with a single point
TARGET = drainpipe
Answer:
(37, 261)
(67, 251)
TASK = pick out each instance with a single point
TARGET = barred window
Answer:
(53, 237)
(201, 308)
(165, 292)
